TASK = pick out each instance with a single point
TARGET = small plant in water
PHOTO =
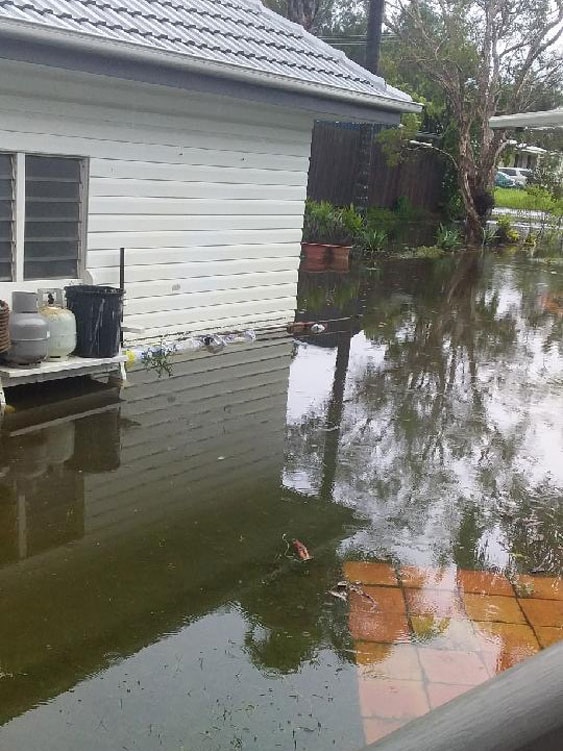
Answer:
(157, 358)
(505, 232)
(372, 241)
(448, 238)
(489, 235)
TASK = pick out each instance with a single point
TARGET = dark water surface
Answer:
(149, 599)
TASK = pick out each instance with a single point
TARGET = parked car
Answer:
(520, 175)
(504, 181)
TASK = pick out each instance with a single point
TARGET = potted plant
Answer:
(328, 233)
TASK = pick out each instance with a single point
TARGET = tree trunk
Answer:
(373, 41)
(302, 12)
(334, 417)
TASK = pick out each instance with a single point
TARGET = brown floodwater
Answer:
(151, 595)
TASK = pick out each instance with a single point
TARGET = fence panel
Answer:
(336, 169)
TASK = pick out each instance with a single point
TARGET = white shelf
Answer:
(51, 370)
(63, 368)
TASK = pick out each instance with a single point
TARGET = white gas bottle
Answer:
(61, 322)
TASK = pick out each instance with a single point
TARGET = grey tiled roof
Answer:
(236, 34)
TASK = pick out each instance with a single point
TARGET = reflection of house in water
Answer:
(42, 476)
(331, 298)
(185, 521)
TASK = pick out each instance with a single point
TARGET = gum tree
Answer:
(486, 57)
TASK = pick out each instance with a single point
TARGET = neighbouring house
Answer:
(179, 130)
(524, 155)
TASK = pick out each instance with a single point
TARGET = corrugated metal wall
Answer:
(205, 194)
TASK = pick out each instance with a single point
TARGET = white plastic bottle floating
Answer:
(214, 343)
(317, 328)
(243, 337)
(61, 322)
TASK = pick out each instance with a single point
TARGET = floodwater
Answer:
(151, 594)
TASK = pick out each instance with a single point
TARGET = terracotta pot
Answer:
(315, 256)
(340, 258)
(341, 251)
(315, 251)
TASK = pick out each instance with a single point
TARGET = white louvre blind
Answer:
(6, 216)
(53, 190)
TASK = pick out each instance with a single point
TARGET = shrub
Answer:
(505, 232)
(489, 235)
(448, 238)
(372, 240)
(353, 221)
(325, 223)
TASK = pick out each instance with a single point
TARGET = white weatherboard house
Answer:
(177, 129)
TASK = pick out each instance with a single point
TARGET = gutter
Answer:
(36, 33)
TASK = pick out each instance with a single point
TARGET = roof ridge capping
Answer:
(367, 75)
(307, 67)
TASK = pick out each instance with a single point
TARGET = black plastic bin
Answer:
(98, 311)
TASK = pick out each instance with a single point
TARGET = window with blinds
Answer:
(6, 216)
(53, 200)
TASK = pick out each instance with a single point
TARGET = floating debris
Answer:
(300, 327)
(301, 550)
(342, 590)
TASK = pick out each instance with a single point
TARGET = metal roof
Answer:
(543, 119)
(223, 37)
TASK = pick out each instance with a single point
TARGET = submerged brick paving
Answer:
(424, 636)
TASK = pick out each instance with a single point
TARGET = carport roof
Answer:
(544, 119)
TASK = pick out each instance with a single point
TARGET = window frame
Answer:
(19, 221)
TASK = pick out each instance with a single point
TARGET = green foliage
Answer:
(423, 251)
(406, 212)
(489, 235)
(399, 223)
(325, 223)
(158, 358)
(375, 231)
(372, 240)
(395, 141)
(505, 232)
(352, 221)
(448, 238)
(386, 219)
(533, 198)
(542, 199)
(548, 176)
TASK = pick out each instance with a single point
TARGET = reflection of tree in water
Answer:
(436, 421)
(419, 416)
(291, 616)
(534, 526)
(542, 306)
(291, 619)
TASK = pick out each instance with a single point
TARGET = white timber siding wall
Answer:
(206, 194)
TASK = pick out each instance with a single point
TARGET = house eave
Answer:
(51, 47)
